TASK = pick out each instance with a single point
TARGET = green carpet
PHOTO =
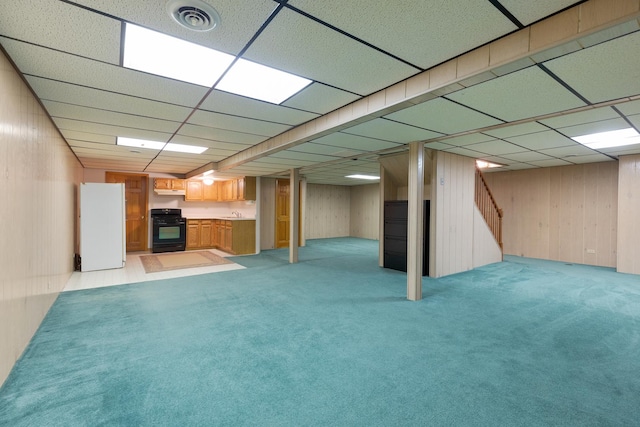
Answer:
(332, 341)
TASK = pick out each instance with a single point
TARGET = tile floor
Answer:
(133, 272)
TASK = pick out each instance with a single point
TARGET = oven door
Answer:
(169, 234)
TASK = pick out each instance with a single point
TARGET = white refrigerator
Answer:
(102, 226)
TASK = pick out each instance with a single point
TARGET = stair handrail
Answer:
(488, 207)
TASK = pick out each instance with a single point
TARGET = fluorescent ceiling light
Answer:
(157, 53)
(261, 82)
(157, 145)
(139, 143)
(482, 164)
(370, 177)
(614, 138)
(163, 55)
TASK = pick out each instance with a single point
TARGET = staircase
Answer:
(488, 207)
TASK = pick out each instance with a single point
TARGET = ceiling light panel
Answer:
(610, 139)
(441, 115)
(520, 95)
(260, 82)
(602, 72)
(306, 48)
(476, 23)
(163, 55)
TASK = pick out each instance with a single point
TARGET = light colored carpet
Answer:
(178, 260)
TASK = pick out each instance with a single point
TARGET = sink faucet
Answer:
(236, 214)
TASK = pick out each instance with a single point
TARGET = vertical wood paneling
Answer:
(628, 210)
(267, 213)
(365, 211)
(563, 213)
(39, 181)
(453, 201)
(327, 211)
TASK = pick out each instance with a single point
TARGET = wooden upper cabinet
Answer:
(168, 184)
(221, 191)
(195, 191)
(246, 188)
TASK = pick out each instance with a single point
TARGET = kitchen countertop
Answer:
(225, 218)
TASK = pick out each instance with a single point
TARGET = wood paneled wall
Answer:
(629, 215)
(267, 213)
(39, 181)
(365, 211)
(452, 207)
(566, 213)
(327, 211)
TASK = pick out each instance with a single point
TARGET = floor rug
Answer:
(178, 260)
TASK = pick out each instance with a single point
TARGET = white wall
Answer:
(365, 211)
(328, 211)
(38, 187)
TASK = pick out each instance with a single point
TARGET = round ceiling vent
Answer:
(195, 15)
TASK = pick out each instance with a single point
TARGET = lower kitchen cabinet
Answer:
(237, 237)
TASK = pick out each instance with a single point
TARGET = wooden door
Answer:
(135, 195)
(282, 213)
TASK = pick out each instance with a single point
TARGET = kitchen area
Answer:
(199, 214)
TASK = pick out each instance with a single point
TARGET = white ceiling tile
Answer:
(320, 99)
(541, 140)
(549, 163)
(610, 33)
(438, 146)
(78, 95)
(306, 48)
(103, 129)
(476, 23)
(239, 20)
(622, 151)
(221, 135)
(635, 120)
(355, 142)
(528, 12)
(587, 116)
(594, 127)
(38, 61)
(569, 151)
(330, 150)
(226, 103)
(441, 115)
(294, 155)
(520, 95)
(591, 158)
(527, 156)
(514, 167)
(94, 35)
(463, 151)
(516, 130)
(461, 141)
(92, 138)
(495, 148)
(602, 72)
(235, 123)
(74, 112)
(391, 131)
(629, 108)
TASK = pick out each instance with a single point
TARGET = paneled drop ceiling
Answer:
(365, 58)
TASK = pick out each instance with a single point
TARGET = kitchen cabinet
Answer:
(199, 233)
(237, 237)
(231, 190)
(168, 184)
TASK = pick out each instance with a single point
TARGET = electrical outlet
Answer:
(591, 251)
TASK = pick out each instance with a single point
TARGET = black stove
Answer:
(169, 230)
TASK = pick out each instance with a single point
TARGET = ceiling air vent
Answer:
(194, 15)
